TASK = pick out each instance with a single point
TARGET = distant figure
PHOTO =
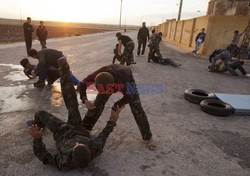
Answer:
(28, 29)
(153, 31)
(142, 37)
(220, 62)
(200, 38)
(42, 33)
(233, 47)
(154, 47)
(129, 45)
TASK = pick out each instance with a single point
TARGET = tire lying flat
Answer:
(216, 107)
(197, 95)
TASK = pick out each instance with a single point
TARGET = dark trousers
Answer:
(43, 43)
(141, 43)
(43, 74)
(54, 124)
(155, 49)
(140, 116)
(238, 65)
(127, 55)
(28, 43)
(234, 50)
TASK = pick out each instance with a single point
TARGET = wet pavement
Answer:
(190, 142)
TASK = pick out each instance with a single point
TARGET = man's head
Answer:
(81, 155)
(118, 34)
(25, 63)
(33, 53)
(236, 32)
(41, 23)
(203, 30)
(160, 33)
(103, 79)
(28, 19)
(144, 24)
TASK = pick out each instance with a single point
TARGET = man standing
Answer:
(28, 29)
(108, 80)
(200, 38)
(233, 47)
(154, 47)
(47, 58)
(129, 46)
(142, 37)
(42, 33)
(73, 143)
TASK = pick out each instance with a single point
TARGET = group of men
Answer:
(142, 37)
(41, 33)
(75, 146)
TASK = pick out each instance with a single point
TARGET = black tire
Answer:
(216, 107)
(197, 95)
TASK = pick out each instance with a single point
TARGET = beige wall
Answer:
(219, 30)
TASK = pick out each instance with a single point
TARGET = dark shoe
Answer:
(30, 122)
(133, 62)
(39, 84)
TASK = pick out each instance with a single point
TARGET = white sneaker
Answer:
(248, 75)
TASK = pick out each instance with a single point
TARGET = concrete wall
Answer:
(228, 7)
(219, 30)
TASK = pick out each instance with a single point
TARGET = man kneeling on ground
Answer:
(52, 75)
(73, 143)
(225, 65)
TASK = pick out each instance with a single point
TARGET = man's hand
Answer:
(119, 53)
(89, 105)
(35, 132)
(115, 114)
(33, 74)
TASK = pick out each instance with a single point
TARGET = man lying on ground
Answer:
(164, 61)
(52, 76)
(73, 143)
(225, 64)
(47, 58)
(110, 79)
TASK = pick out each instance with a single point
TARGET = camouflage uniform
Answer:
(142, 36)
(154, 43)
(127, 55)
(66, 134)
(122, 75)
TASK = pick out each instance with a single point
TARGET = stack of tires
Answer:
(209, 103)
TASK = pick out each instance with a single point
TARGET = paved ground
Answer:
(190, 142)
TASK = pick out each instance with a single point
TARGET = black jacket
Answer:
(202, 36)
(27, 29)
(143, 34)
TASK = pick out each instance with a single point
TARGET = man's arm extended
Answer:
(98, 143)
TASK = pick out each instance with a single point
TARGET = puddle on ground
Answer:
(15, 99)
(56, 97)
(16, 74)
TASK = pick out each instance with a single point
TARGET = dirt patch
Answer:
(14, 33)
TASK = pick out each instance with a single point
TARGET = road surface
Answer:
(189, 142)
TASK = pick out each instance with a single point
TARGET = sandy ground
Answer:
(190, 142)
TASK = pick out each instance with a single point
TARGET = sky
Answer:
(134, 12)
